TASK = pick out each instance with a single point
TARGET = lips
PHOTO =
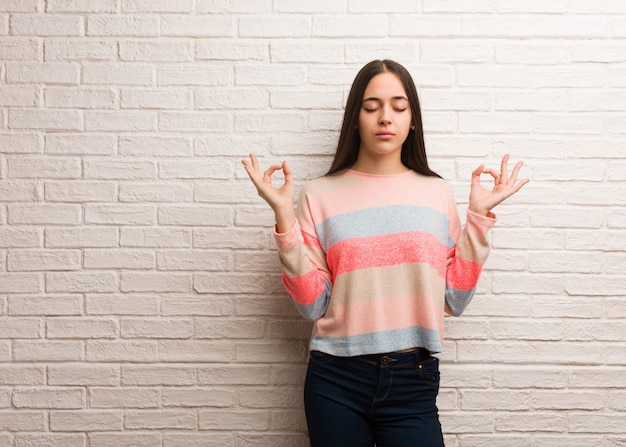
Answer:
(384, 135)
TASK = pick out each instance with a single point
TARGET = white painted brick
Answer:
(494, 75)
(119, 259)
(117, 304)
(231, 98)
(426, 26)
(43, 260)
(548, 26)
(23, 328)
(532, 6)
(155, 282)
(197, 74)
(124, 439)
(194, 351)
(377, 49)
(119, 170)
(155, 146)
(19, 238)
(33, 214)
(349, 26)
(196, 305)
(79, 191)
(194, 121)
(22, 375)
(123, 398)
(120, 214)
(131, 121)
(83, 374)
(306, 7)
(49, 398)
(234, 6)
(574, 76)
(157, 6)
(525, 100)
(155, 192)
(270, 75)
(224, 49)
(83, 328)
(199, 169)
(253, 419)
(46, 25)
(158, 51)
(457, 52)
(80, 421)
(46, 167)
(123, 26)
(23, 421)
(21, 49)
(18, 96)
(230, 238)
(43, 119)
(159, 375)
(121, 351)
(48, 351)
(95, 6)
(50, 440)
(283, 26)
(20, 6)
(194, 260)
(81, 282)
(162, 419)
(197, 215)
(45, 305)
(79, 49)
(595, 7)
(118, 74)
(81, 237)
(80, 98)
(178, 25)
(156, 99)
(471, 6)
(156, 237)
(276, 121)
(92, 144)
(155, 329)
(21, 143)
(18, 191)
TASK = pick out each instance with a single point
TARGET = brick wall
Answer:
(140, 294)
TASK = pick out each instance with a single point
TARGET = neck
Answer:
(379, 165)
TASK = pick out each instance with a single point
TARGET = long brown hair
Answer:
(413, 153)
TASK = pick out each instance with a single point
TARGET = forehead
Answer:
(385, 86)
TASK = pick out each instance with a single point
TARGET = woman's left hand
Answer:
(482, 200)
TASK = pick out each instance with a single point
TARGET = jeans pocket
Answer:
(429, 371)
(320, 358)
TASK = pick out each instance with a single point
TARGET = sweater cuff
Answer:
(290, 238)
(479, 222)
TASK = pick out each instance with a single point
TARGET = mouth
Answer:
(384, 135)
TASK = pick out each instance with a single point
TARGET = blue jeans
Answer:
(387, 400)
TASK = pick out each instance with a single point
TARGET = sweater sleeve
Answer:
(305, 273)
(469, 253)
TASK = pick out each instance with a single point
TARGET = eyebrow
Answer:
(395, 98)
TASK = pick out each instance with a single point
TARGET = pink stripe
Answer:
(363, 317)
(427, 191)
(392, 249)
(304, 289)
(310, 240)
(462, 274)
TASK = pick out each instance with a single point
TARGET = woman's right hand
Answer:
(280, 199)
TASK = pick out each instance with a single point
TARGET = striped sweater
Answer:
(367, 261)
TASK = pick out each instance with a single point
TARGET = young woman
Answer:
(375, 256)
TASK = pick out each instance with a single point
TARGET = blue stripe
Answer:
(317, 308)
(384, 220)
(379, 342)
(457, 299)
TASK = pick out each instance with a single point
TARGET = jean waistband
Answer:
(395, 358)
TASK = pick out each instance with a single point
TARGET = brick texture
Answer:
(140, 297)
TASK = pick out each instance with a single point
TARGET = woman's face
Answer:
(384, 120)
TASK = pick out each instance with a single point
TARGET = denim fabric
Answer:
(386, 400)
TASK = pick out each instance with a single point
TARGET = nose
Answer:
(385, 116)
